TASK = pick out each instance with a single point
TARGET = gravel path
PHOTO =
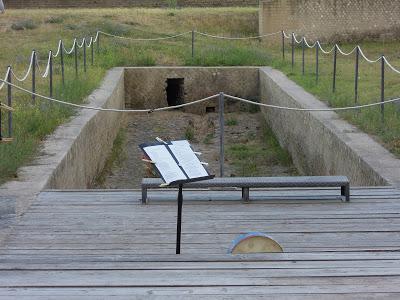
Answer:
(240, 129)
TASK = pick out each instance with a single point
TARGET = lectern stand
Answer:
(177, 164)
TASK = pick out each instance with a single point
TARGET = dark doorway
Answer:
(175, 91)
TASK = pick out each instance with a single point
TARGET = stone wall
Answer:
(332, 19)
(121, 3)
(321, 143)
(146, 87)
(74, 154)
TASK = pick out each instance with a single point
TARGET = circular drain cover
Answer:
(254, 242)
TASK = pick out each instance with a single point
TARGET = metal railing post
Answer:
(303, 45)
(84, 55)
(292, 51)
(9, 103)
(51, 74)
(34, 77)
(334, 69)
(92, 52)
(383, 88)
(193, 41)
(221, 134)
(283, 45)
(356, 75)
(317, 62)
(76, 58)
(98, 43)
(62, 63)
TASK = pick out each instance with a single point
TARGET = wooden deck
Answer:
(106, 245)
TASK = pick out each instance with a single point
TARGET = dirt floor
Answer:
(248, 147)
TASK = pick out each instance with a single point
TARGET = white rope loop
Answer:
(46, 72)
(60, 43)
(72, 48)
(140, 39)
(5, 78)
(23, 78)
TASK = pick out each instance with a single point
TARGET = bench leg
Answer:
(345, 192)
(246, 194)
(144, 196)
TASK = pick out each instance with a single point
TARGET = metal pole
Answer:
(283, 45)
(334, 69)
(34, 77)
(51, 73)
(179, 220)
(62, 63)
(303, 44)
(98, 43)
(383, 88)
(76, 58)
(317, 62)
(356, 75)
(1, 130)
(84, 55)
(92, 52)
(9, 103)
(193, 37)
(221, 134)
(292, 50)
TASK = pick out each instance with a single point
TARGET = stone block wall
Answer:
(328, 20)
(121, 3)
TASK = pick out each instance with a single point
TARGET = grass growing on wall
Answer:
(44, 27)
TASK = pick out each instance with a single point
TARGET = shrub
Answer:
(24, 24)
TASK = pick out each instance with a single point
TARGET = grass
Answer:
(116, 157)
(34, 122)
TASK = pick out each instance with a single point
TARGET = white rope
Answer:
(72, 49)
(308, 45)
(390, 66)
(81, 45)
(59, 48)
(108, 109)
(88, 45)
(286, 36)
(324, 51)
(5, 78)
(312, 109)
(238, 38)
(295, 39)
(346, 53)
(366, 58)
(21, 79)
(46, 72)
(97, 37)
(153, 39)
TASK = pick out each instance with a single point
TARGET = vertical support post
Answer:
(317, 62)
(76, 57)
(92, 52)
(334, 68)
(383, 88)
(1, 122)
(283, 45)
(356, 75)
(62, 63)
(193, 40)
(98, 43)
(179, 220)
(9, 103)
(303, 45)
(292, 51)
(84, 55)
(51, 74)
(34, 76)
(221, 134)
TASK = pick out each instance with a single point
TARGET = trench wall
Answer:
(146, 87)
(321, 143)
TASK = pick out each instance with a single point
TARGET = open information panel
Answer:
(176, 162)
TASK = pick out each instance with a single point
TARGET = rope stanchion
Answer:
(9, 103)
(356, 75)
(84, 55)
(76, 58)
(34, 77)
(283, 45)
(334, 69)
(51, 74)
(303, 49)
(317, 64)
(62, 64)
(292, 51)
(383, 88)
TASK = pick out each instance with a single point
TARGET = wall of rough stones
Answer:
(121, 3)
(346, 20)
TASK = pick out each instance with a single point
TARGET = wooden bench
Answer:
(245, 183)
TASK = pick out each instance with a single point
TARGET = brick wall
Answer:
(121, 3)
(332, 19)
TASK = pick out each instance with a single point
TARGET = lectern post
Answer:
(179, 220)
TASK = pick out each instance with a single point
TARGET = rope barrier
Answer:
(198, 101)
(21, 79)
(5, 78)
(237, 38)
(150, 39)
(72, 49)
